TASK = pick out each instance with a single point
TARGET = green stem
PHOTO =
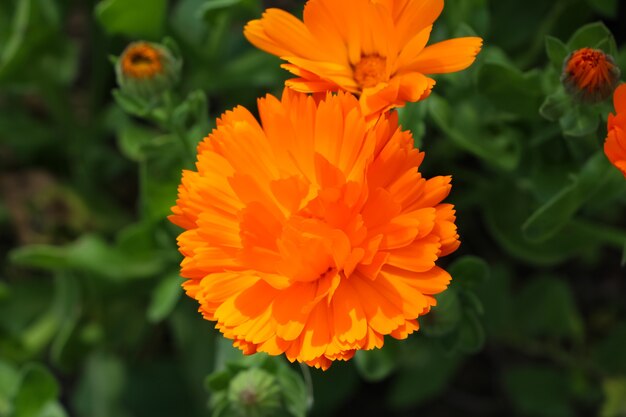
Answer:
(175, 129)
(306, 374)
(546, 27)
(605, 234)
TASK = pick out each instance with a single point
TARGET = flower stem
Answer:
(173, 127)
(306, 374)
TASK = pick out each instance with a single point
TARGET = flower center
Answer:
(370, 70)
(141, 61)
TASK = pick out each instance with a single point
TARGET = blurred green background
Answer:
(92, 321)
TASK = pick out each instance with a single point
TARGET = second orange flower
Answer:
(375, 49)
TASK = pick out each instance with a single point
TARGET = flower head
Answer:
(373, 48)
(615, 143)
(146, 69)
(590, 75)
(313, 233)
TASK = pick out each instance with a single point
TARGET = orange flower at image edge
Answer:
(311, 234)
(615, 143)
(373, 48)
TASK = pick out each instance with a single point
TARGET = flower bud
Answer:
(146, 69)
(254, 393)
(590, 75)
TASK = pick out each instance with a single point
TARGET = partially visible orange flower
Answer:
(615, 143)
(372, 48)
(312, 234)
(590, 75)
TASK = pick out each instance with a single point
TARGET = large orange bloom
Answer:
(615, 143)
(372, 48)
(312, 234)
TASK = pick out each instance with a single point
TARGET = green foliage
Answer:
(137, 18)
(545, 307)
(539, 391)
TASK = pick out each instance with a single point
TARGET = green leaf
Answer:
(508, 207)
(469, 271)
(67, 308)
(511, 90)
(614, 398)
(5, 291)
(187, 22)
(471, 334)
(463, 128)
(101, 387)
(226, 354)
(132, 138)
(444, 317)
(556, 51)
(9, 384)
(470, 301)
(607, 8)
(218, 381)
(294, 392)
(37, 389)
(545, 307)
(53, 410)
(33, 25)
(609, 353)
(552, 216)
(579, 121)
(426, 377)
(538, 391)
(164, 297)
(555, 106)
(133, 105)
(136, 18)
(608, 45)
(589, 36)
(214, 6)
(375, 364)
(87, 254)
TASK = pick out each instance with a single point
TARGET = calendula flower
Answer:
(146, 69)
(373, 48)
(590, 75)
(312, 234)
(615, 143)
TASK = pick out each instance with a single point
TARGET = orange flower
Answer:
(590, 75)
(311, 234)
(615, 143)
(372, 48)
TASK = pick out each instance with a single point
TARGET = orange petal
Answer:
(415, 16)
(282, 34)
(447, 56)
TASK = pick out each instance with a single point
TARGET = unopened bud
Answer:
(254, 393)
(146, 69)
(590, 75)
